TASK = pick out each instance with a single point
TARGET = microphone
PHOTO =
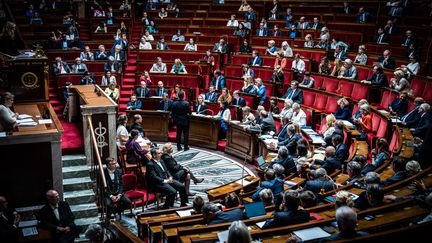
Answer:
(212, 113)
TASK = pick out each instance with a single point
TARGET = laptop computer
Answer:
(255, 210)
(261, 163)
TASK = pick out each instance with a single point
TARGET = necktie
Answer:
(380, 39)
(160, 92)
(88, 56)
(348, 72)
(292, 94)
(142, 92)
(116, 56)
(199, 108)
(315, 26)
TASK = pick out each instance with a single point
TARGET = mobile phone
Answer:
(328, 229)
(369, 217)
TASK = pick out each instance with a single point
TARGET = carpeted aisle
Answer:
(72, 138)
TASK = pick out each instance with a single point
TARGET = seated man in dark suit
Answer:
(291, 214)
(266, 124)
(57, 217)
(160, 90)
(211, 95)
(318, 182)
(424, 123)
(218, 81)
(346, 219)
(342, 152)
(294, 93)
(214, 215)
(261, 31)
(9, 220)
(60, 67)
(112, 65)
(238, 100)
(374, 197)
(282, 134)
(398, 166)
(87, 79)
(378, 77)
(331, 162)
(290, 137)
(381, 37)
(413, 117)
(399, 106)
(137, 125)
(160, 180)
(271, 182)
(115, 200)
(166, 103)
(387, 60)
(143, 91)
(255, 60)
(363, 16)
(286, 155)
(134, 103)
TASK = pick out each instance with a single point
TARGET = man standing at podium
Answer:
(180, 112)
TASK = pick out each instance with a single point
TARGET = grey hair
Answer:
(238, 232)
(210, 207)
(266, 195)
(321, 172)
(372, 177)
(295, 106)
(94, 232)
(413, 167)
(283, 152)
(425, 107)
(346, 218)
(278, 169)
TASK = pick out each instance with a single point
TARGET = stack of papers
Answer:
(45, 121)
(243, 182)
(309, 131)
(348, 124)
(317, 139)
(29, 231)
(311, 234)
(223, 236)
(184, 213)
(27, 223)
(24, 116)
(396, 120)
(260, 224)
(28, 122)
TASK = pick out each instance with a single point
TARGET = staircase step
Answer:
(72, 160)
(128, 86)
(87, 221)
(129, 80)
(131, 55)
(124, 100)
(77, 183)
(84, 210)
(54, 102)
(131, 68)
(79, 196)
(129, 74)
(75, 171)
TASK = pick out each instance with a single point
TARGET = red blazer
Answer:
(283, 62)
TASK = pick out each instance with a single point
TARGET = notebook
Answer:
(255, 209)
(261, 163)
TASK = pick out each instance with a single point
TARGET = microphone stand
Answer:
(242, 179)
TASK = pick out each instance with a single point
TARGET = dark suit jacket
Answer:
(342, 152)
(330, 164)
(211, 97)
(180, 112)
(155, 175)
(288, 141)
(114, 187)
(398, 176)
(135, 105)
(227, 216)
(56, 69)
(399, 106)
(328, 139)
(158, 91)
(107, 66)
(408, 41)
(297, 97)
(146, 92)
(49, 221)
(278, 33)
(317, 184)
(287, 218)
(8, 233)
(343, 114)
(318, 26)
(220, 82)
(367, 17)
(223, 49)
(282, 134)
(287, 163)
(265, 32)
(171, 164)
(276, 186)
(384, 39)
(267, 125)
(344, 235)
(121, 56)
(412, 118)
(201, 108)
(240, 102)
(162, 105)
(391, 63)
(160, 44)
(258, 61)
(138, 127)
(380, 79)
(60, 44)
(423, 125)
(104, 55)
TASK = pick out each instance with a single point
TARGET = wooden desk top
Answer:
(37, 109)
(91, 98)
(231, 187)
(43, 235)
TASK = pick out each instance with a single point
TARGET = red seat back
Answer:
(359, 92)
(417, 86)
(318, 83)
(382, 129)
(345, 88)
(129, 182)
(320, 102)
(427, 93)
(375, 122)
(331, 104)
(330, 84)
(308, 98)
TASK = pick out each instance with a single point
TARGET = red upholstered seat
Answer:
(331, 105)
(394, 143)
(132, 192)
(386, 99)
(382, 129)
(363, 72)
(345, 88)
(330, 84)
(318, 81)
(375, 122)
(427, 93)
(277, 124)
(320, 102)
(359, 91)
(417, 86)
(308, 98)
(308, 117)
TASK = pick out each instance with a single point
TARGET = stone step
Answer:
(78, 183)
(84, 210)
(70, 160)
(87, 221)
(79, 196)
(75, 171)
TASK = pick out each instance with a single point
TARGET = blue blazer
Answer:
(211, 97)
(162, 105)
(316, 185)
(221, 82)
(343, 114)
(399, 106)
(257, 59)
(342, 152)
(380, 79)
(297, 97)
(227, 216)
(201, 108)
(398, 176)
(412, 118)
(240, 102)
(287, 218)
(262, 92)
(423, 125)
(276, 186)
(330, 164)
(282, 135)
(146, 92)
(135, 105)
(265, 32)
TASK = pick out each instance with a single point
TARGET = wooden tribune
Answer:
(204, 131)
(241, 143)
(154, 123)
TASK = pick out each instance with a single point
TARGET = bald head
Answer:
(330, 151)
(53, 197)
(346, 218)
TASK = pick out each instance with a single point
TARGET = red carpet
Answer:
(72, 138)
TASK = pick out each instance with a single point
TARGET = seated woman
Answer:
(365, 122)
(286, 49)
(328, 130)
(145, 77)
(107, 79)
(122, 133)
(224, 114)
(271, 48)
(200, 105)
(175, 92)
(280, 60)
(324, 67)
(8, 118)
(178, 67)
(287, 110)
(232, 22)
(225, 96)
(135, 154)
(380, 154)
(144, 45)
(298, 66)
(191, 45)
(248, 86)
(245, 47)
(337, 68)
(413, 67)
(308, 41)
(152, 28)
(274, 109)
(361, 57)
(112, 91)
(343, 112)
(247, 71)
(241, 31)
(399, 82)
(178, 172)
(399, 106)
